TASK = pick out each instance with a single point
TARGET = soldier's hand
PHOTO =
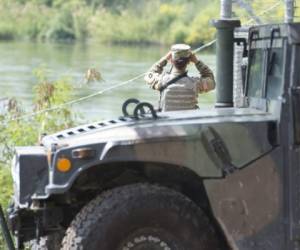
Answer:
(193, 58)
(168, 56)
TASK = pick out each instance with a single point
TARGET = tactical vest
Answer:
(181, 95)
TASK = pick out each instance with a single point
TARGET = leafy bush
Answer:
(18, 129)
(61, 26)
(178, 33)
(130, 21)
(7, 31)
(201, 29)
(8, 23)
(167, 14)
(32, 21)
(116, 21)
(124, 28)
(81, 18)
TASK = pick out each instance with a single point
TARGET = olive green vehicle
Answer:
(223, 178)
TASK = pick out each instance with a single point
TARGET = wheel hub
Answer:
(149, 239)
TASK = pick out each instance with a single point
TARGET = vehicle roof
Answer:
(289, 30)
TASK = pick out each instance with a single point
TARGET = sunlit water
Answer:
(116, 64)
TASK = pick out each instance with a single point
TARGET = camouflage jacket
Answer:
(183, 94)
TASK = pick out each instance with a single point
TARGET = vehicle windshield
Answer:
(275, 74)
(265, 73)
(256, 70)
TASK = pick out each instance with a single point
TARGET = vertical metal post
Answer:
(289, 11)
(226, 9)
(225, 44)
(5, 231)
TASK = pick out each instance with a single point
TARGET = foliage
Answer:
(6, 31)
(32, 21)
(201, 28)
(167, 15)
(61, 26)
(125, 28)
(5, 194)
(120, 21)
(6, 186)
(18, 129)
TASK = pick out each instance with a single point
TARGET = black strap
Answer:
(175, 79)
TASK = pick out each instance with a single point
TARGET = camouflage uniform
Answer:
(182, 94)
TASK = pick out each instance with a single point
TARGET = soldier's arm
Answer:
(154, 75)
(206, 82)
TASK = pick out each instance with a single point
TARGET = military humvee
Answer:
(224, 178)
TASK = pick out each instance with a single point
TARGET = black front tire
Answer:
(138, 217)
(49, 242)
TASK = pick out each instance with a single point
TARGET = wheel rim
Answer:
(150, 239)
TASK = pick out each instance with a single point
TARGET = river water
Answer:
(116, 64)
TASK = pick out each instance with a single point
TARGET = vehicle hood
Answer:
(168, 125)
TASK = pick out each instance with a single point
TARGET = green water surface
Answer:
(116, 64)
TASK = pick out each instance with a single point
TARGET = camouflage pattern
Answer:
(180, 51)
(183, 94)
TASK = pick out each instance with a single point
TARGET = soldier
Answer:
(178, 91)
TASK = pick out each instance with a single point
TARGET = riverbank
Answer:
(115, 21)
(140, 23)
